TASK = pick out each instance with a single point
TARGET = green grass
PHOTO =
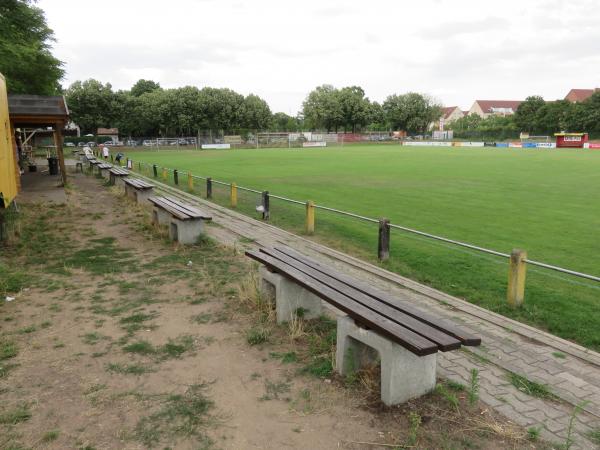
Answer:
(531, 387)
(128, 369)
(501, 199)
(13, 416)
(180, 415)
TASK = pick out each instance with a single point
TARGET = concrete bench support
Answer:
(185, 231)
(140, 196)
(160, 216)
(404, 375)
(289, 296)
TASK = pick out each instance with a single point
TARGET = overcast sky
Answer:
(455, 50)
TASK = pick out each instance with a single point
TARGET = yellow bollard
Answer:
(190, 182)
(310, 217)
(516, 278)
(164, 174)
(233, 195)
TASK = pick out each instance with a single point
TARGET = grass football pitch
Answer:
(544, 201)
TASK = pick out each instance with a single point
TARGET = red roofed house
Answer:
(109, 133)
(487, 108)
(580, 95)
(449, 115)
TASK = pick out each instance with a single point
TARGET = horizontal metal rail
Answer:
(450, 241)
(346, 213)
(290, 200)
(410, 230)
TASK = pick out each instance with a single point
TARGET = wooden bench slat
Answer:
(159, 201)
(138, 184)
(182, 210)
(464, 337)
(445, 341)
(187, 209)
(394, 331)
(118, 171)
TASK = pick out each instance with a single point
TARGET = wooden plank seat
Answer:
(138, 189)
(103, 169)
(185, 222)
(406, 338)
(117, 173)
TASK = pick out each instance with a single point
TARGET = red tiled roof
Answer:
(579, 95)
(487, 105)
(447, 110)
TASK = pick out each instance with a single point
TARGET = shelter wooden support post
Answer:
(58, 142)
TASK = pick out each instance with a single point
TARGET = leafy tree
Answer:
(221, 109)
(91, 104)
(256, 113)
(322, 108)
(551, 117)
(355, 107)
(283, 122)
(412, 112)
(144, 86)
(25, 57)
(526, 115)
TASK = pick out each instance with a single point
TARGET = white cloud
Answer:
(454, 50)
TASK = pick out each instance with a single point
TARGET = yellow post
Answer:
(233, 195)
(164, 174)
(310, 217)
(190, 182)
(516, 277)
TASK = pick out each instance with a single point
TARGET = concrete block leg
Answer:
(185, 231)
(112, 179)
(130, 192)
(141, 196)
(289, 296)
(160, 217)
(404, 375)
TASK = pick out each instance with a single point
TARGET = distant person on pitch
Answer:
(105, 151)
(118, 158)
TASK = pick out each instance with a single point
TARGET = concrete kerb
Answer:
(289, 297)
(404, 375)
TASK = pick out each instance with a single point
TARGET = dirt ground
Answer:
(120, 339)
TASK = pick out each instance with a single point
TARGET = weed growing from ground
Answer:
(180, 415)
(531, 387)
(474, 387)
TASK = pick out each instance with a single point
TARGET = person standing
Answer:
(105, 152)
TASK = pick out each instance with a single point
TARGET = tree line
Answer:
(536, 117)
(149, 110)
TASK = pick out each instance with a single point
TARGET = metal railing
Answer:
(517, 258)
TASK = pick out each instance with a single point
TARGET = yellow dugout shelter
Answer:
(9, 171)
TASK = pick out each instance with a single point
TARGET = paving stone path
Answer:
(571, 372)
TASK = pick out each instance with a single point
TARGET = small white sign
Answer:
(213, 146)
(314, 144)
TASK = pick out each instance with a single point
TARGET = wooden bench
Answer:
(138, 189)
(117, 173)
(185, 222)
(103, 169)
(406, 338)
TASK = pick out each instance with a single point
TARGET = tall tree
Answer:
(25, 57)
(411, 112)
(526, 114)
(91, 104)
(256, 113)
(144, 86)
(356, 108)
(322, 108)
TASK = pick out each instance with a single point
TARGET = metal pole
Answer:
(209, 187)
